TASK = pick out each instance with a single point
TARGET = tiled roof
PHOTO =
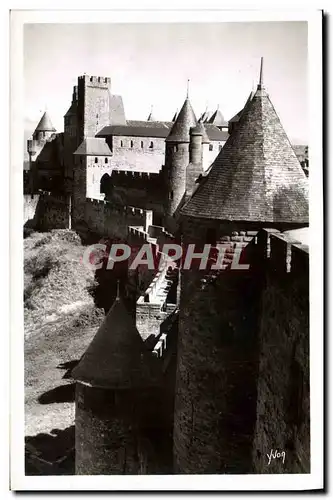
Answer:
(186, 119)
(117, 357)
(93, 146)
(256, 176)
(218, 119)
(72, 109)
(136, 128)
(45, 124)
(139, 129)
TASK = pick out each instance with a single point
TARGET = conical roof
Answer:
(256, 176)
(199, 129)
(217, 119)
(45, 124)
(116, 357)
(180, 131)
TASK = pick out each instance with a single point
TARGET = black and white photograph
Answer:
(168, 190)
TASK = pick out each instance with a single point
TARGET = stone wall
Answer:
(140, 154)
(140, 189)
(221, 321)
(29, 207)
(109, 220)
(283, 408)
(121, 432)
(47, 211)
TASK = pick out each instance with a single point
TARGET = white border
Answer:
(174, 482)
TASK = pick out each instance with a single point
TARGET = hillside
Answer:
(60, 321)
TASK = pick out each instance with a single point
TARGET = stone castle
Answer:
(192, 371)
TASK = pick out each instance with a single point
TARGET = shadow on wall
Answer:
(51, 454)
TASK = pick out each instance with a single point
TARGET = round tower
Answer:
(256, 181)
(177, 157)
(115, 406)
(198, 137)
(44, 129)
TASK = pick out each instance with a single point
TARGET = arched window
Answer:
(106, 160)
(96, 160)
(151, 145)
(210, 147)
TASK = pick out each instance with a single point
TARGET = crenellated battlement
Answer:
(282, 252)
(138, 180)
(98, 81)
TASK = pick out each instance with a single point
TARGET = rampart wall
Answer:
(283, 408)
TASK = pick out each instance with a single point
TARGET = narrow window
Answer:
(96, 160)
(132, 144)
(151, 145)
(171, 195)
(142, 144)
(210, 147)
(175, 148)
(106, 160)
(121, 144)
(220, 147)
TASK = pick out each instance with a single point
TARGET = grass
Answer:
(60, 321)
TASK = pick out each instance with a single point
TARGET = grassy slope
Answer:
(60, 321)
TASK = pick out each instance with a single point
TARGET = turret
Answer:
(198, 137)
(114, 405)
(177, 157)
(256, 181)
(44, 129)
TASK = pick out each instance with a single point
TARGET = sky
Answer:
(149, 64)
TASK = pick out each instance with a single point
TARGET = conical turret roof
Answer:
(117, 357)
(175, 116)
(199, 129)
(256, 176)
(45, 124)
(217, 119)
(180, 131)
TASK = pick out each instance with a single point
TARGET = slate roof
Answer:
(72, 109)
(45, 124)
(256, 176)
(137, 128)
(218, 119)
(186, 119)
(215, 134)
(117, 357)
(93, 146)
